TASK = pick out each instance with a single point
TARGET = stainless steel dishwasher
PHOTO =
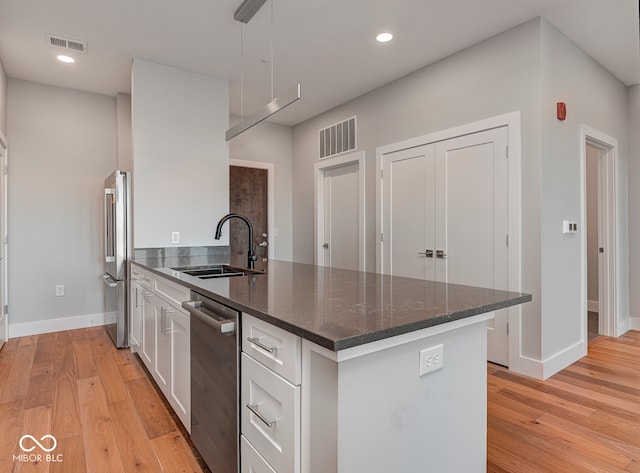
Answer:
(214, 382)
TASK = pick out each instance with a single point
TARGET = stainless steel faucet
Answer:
(251, 254)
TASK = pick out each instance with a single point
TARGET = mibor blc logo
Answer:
(28, 443)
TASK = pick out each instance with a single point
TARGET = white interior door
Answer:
(4, 326)
(409, 210)
(472, 221)
(341, 217)
(445, 217)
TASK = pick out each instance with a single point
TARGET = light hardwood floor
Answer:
(107, 416)
(584, 419)
(95, 400)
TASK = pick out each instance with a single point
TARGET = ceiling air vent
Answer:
(337, 139)
(66, 43)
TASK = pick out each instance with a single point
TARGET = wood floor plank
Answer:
(84, 356)
(174, 454)
(100, 445)
(107, 368)
(37, 423)
(72, 457)
(40, 392)
(16, 385)
(136, 451)
(131, 371)
(11, 424)
(66, 406)
(153, 414)
(595, 427)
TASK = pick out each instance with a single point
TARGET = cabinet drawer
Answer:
(250, 459)
(275, 348)
(140, 275)
(270, 399)
(173, 292)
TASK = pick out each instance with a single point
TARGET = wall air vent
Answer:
(339, 138)
(66, 43)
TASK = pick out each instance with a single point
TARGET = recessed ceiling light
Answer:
(66, 59)
(384, 37)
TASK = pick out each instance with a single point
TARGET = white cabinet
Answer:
(136, 315)
(161, 327)
(270, 398)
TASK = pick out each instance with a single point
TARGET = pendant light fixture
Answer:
(243, 14)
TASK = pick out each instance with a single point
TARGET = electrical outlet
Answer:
(175, 237)
(60, 290)
(431, 359)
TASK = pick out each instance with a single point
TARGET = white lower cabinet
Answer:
(162, 330)
(136, 316)
(269, 398)
(250, 459)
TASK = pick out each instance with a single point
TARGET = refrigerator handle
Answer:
(109, 220)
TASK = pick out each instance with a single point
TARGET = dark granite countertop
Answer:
(340, 309)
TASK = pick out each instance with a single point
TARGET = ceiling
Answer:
(328, 46)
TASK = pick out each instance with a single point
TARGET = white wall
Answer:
(3, 99)
(63, 145)
(125, 145)
(271, 143)
(526, 69)
(634, 205)
(181, 159)
(594, 97)
(498, 76)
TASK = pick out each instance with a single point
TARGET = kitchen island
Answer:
(388, 374)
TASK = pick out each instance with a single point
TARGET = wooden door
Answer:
(248, 197)
(341, 217)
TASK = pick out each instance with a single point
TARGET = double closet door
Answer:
(445, 217)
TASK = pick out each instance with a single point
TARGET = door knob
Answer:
(325, 246)
(264, 235)
(264, 243)
(440, 254)
(427, 253)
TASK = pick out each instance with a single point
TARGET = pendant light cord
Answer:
(272, 95)
(241, 72)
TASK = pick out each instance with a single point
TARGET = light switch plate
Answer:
(175, 237)
(569, 227)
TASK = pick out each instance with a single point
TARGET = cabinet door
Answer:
(148, 329)
(180, 393)
(162, 366)
(136, 308)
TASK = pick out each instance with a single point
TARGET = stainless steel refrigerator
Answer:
(117, 251)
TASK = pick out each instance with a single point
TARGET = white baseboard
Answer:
(552, 365)
(57, 325)
(634, 323)
(593, 306)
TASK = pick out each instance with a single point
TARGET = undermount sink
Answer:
(215, 271)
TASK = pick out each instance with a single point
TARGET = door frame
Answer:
(4, 268)
(607, 231)
(513, 122)
(319, 168)
(270, 167)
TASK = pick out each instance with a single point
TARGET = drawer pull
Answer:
(259, 344)
(254, 408)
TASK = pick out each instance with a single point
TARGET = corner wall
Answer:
(63, 146)
(595, 98)
(634, 204)
(498, 76)
(180, 157)
(271, 143)
(3, 99)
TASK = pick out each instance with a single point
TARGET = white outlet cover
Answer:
(175, 237)
(431, 359)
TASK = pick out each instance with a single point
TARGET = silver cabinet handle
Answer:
(440, 254)
(254, 409)
(259, 344)
(164, 328)
(427, 253)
